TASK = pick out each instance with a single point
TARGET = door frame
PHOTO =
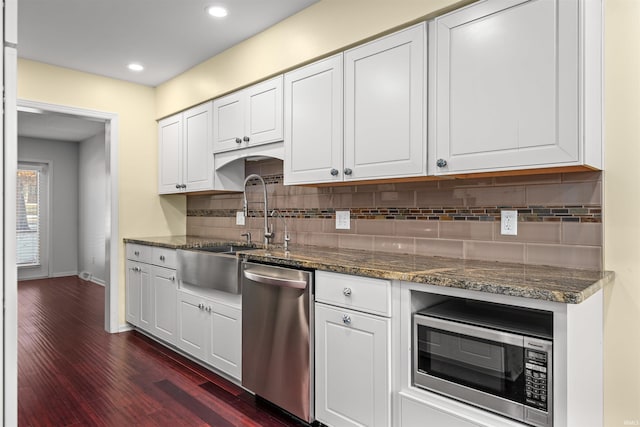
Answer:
(112, 234)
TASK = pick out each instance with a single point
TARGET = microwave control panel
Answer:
(536, 379)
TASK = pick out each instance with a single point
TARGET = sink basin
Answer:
(225, 249)
(213, 267)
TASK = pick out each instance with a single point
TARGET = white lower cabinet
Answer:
(192, 334)
(210, 331)
(352, 367)
(138, 292)
(151, 290)
(225, 339)
(164, 301)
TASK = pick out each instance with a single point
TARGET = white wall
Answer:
(92, 182)
(63, 199)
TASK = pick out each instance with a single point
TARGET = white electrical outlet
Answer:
(240, 218)
(343, 220)
(509, 223)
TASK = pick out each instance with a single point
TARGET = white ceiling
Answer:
(102, 36)
(58, 127)
(167, 36)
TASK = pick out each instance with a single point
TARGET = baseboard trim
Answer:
(98, 282)
(64, 274)
(125, 328)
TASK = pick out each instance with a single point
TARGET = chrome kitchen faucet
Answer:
(268, 231)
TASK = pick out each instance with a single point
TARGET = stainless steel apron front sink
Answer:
(215, 267)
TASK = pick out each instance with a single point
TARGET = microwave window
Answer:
(493, 367)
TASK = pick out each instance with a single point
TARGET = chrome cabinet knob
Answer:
(161, 257)
(201, 306)
(137, 253)
(245, 139)
(346, 292)
(334, 172)
(441, 163)
(347, 171)
(178, 186)
(346, 319)
(238, 141)
(172, 278)
(184, 185)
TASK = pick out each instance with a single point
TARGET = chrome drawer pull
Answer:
(346, 319)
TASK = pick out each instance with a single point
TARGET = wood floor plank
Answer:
(73, 373)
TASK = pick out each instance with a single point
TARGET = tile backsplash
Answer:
(559, 216)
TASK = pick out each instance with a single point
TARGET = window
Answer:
(31, 209)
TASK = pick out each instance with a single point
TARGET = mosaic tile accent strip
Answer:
(584, 214)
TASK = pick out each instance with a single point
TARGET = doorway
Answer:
(56, 115)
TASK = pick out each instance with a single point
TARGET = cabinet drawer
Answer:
(164, 257)
(139, 253)
(414, 413)
(355, 292)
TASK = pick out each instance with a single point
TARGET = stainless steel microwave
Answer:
(496, 357)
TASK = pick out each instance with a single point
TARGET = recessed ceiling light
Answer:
(135, 67)
(217, 11)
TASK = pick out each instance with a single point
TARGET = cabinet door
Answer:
(505, 86)
(313, 113)
(192, 325)
(263, 113)
(146, 298)
(225, 339)
(385, 107)
(164, 304)
(170, 155)
(198, 148)
(352, 368)
(132, 300)
(228, 122)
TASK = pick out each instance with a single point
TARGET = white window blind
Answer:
(28, 214)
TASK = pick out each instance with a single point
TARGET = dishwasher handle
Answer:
(275, 281)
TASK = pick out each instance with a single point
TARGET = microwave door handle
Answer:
(471, 330)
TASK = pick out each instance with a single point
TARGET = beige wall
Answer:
(621, 207)
(142, 211)
(327, 26)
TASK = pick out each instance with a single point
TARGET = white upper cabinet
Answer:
(384, 102)
(170, 154)
(186, 151)
(197, 149)
(506, 86)
(248, 117)
(313, 123)
(358, 115)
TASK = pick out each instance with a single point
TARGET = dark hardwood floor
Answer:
(72, 373)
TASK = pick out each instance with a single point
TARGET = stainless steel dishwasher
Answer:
(277, 336)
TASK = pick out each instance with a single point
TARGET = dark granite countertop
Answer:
(529, 281)
(184, 242)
